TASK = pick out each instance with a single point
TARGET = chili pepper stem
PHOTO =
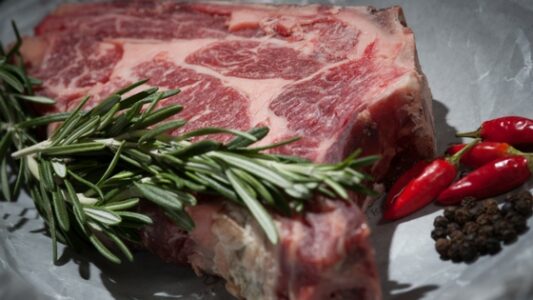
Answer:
(512, 150)
(454, 159)
(469, 134)
(529, 158)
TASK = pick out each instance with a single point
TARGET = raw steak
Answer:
(340, 78)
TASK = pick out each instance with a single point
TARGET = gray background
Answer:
(477, 57)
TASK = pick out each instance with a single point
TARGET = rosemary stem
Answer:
(31, 149)
(86, 200)
(111, 143)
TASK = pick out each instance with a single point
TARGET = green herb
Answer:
(82, 201)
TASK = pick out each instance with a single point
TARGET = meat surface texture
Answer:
(338, 77)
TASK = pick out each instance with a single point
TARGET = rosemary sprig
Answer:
(86, 179)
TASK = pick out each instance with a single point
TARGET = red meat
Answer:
(340, 78)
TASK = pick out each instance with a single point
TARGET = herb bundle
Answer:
(88, 176)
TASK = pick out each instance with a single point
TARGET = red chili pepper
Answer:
(435, 177)
(483, 153)
(403, 180)
(517, 131)
(420, 191)
(493, 178)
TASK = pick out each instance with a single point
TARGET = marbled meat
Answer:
(339, 77)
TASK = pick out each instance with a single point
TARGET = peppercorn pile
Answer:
(479, 227)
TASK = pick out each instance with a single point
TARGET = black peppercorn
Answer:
(486, 230)
(470, 238)
(456, 235)
(508, 235)
(523, 206)
(502, 231)
(507, 207)
(476, 210)
(483, 219)
(453, 227)
(501, 225)
(469, 202)
(449, 213)
(470, 227)
(493, 246)
(493, 218)
(454, 252)
(438, 233)
(490, 206)
(442, 246)
(481, 244)
(523, 195)
(462, 216)
(519, 223)
(440, 221)
(468, 252)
